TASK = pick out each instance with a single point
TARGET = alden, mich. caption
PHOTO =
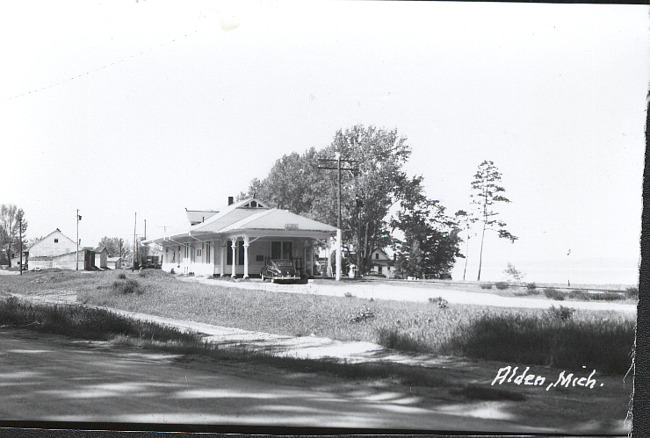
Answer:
(509, 375)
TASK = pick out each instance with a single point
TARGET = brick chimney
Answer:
(231, 200)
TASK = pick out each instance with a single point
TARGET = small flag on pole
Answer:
(568, 253)
(78, 217)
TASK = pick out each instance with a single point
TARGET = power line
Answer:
(89, 72)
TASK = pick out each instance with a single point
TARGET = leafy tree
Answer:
(513, 272)
(487, 193)
(31, 242)
(297, 184)
(431, 239)
(116, 247)
(12, 219)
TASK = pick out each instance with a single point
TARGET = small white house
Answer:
(238, 239)
(114, 263)
(101, 257)
(382, 264)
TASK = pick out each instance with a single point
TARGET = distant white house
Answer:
(381, 263)
(238, 239)
(56, 250)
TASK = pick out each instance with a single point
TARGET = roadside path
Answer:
(419, 293)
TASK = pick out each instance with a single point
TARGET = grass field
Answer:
(602, 340)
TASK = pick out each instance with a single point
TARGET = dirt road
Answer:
(48, 378)
(415, 292)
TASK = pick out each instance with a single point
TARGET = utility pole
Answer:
(77, 254)
(568, 269)
(339, 234)
(134, 242)
(359, 258)
(145, 229)
(20, 234)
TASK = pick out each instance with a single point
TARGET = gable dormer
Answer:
(252, 203)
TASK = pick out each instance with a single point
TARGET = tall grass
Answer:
(84, 323)
(546, 340)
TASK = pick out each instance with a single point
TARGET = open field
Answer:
(601, 340)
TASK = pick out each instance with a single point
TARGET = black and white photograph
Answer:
(321, 216)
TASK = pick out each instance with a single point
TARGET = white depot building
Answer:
(238, 239)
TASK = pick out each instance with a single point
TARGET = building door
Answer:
(276, 250)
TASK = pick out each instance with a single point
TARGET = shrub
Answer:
(486, 285)
(121, 276)
(580, 294)
(632, 292)
(348, 295)
(531, 287)
(127, 287)
(501, 285)
(361, 315)
(553, 294)
(542, 340)
(513, 272)
(396, 340)
(608, 296)
(562, 313)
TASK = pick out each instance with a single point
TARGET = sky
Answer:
(148, 106)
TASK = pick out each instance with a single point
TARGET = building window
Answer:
(56, 240)
(228, 252)
(287, 250)
(281, 250)
(240, 252)
(377, 256)
(208, 252)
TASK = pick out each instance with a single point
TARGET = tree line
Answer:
(382, 206)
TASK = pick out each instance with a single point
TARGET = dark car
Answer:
(279, 270)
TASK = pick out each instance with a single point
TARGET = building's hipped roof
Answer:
(248, 215)
(276, 219)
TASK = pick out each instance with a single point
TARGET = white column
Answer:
(329, 257)
(233, 246)
(338, 254)
(311, 259)
(246, 244)
(222, 255)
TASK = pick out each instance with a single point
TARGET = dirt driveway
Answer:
(417, 293)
